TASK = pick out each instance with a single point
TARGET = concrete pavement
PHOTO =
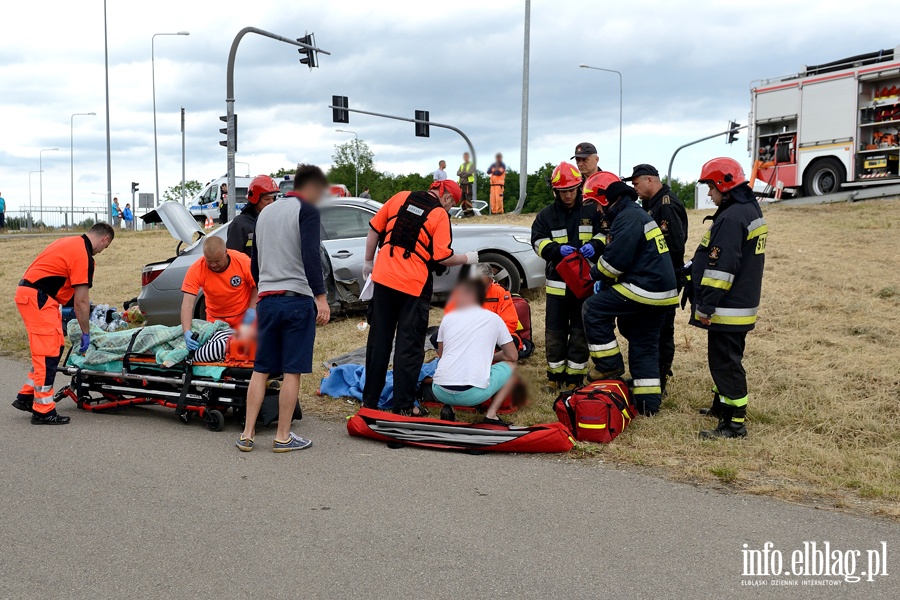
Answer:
(136, 505)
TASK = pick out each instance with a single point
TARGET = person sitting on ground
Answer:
(497, 300)
(470, 372)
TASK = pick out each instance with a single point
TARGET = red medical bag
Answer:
(597, 412)
(576, 272)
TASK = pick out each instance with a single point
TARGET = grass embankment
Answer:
(823, 363)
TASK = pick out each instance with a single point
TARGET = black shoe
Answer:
(53, 418)
(22, 405)
(497, 421)
(725, 430)
(447, 413)
(413, 411)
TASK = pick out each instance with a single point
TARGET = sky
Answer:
(686, 67)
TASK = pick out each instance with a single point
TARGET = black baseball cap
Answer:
(640, 170)
(584, 149)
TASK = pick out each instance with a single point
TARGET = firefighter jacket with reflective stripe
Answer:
(636, 259)
(727, 269)
(556, 226)
(667, 210)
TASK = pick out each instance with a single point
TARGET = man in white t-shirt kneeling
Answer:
(471, 371)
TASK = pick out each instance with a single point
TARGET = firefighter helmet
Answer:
(261, 186)
(595, 186)
(565, 176)
(723, 173)
(445, 186)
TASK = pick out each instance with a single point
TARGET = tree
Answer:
(192, 187)
(282, 172)
(685, 190)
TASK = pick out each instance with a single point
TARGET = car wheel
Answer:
(200, 308)
(824, 177)
(506, 272)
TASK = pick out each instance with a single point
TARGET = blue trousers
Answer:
(640, 324)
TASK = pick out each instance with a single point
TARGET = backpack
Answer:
(597, 412)
(575, 270)
(523, 310)
(410, 219)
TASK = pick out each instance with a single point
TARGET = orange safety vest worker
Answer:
(49, 282)
(497, 171)
(498, 300)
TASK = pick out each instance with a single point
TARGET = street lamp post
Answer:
(523, 141)
(41, 178)
(584, 66)
(237, 162)
(72, 157)
(153, 77)
(30, 201)
(356, 146)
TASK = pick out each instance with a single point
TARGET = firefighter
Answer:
(413, 231)
(566, 226)
(636, 285)
(260, 194)
(666, 209)
(727, 272)
(63, 272)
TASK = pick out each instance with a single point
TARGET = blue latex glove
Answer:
(190, 342)
(250, 316)
(566, 250)
(85, 343)
(598, 287)
(587, 251)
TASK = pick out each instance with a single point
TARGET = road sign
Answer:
(145, 200)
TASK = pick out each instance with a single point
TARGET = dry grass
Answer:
(822, 363)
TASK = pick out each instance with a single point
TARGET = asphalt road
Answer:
(137, 505)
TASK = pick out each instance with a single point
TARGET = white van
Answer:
(206, 204)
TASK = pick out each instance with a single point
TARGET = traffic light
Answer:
(339, 114)
(422, 129)
(309, 57)
(732, 132)
(224, 131)
(134, 186)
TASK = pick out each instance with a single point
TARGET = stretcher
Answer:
(205, 390)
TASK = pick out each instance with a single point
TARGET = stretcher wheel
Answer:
(214, 419)
(186, 416)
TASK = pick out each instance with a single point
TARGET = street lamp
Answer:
(356, 146)
(41, 177)
(153, 77)
(72, 156)
(584, 66)
(30, 202)
(237, 162)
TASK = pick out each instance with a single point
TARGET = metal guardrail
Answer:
(31, 218)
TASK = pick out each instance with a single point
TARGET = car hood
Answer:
(178, 221)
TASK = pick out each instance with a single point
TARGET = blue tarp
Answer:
(348, 381)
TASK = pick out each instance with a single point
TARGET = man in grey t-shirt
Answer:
(441, 173)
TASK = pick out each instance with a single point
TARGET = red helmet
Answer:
(595, 186)
(565, 176)
(445, 186)
(724, 173)
(259, 187)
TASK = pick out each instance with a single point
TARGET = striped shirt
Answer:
(213, 351)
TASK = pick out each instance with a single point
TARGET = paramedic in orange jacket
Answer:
(62, 272)
(497, 299)
(413, 231)
(228, 288)
(497, 172)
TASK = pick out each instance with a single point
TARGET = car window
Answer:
(241, 195)
(344, 222)
(207, 196)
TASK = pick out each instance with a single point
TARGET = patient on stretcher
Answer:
(240, 341)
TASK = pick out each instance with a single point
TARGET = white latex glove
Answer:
(471, 258)
(367, 268)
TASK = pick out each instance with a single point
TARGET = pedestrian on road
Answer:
(2, 212)
(413, 231)
(726, 274)
(366, 194)
(497, 172)
(441, 172)
(62, 272)
(260, 194)
(666, 209)
(128, 217)
(292, 301)
(466, 174)
(116, 215)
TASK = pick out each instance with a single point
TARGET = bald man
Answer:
(228, 287)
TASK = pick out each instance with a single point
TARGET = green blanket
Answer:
(165, 343)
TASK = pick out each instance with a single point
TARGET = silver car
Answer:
(345, 225)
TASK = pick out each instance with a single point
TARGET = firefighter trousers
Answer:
(667, 340)
(43, 321)
(395, 313)
(640, 324)
(567, 352)
(725, 351)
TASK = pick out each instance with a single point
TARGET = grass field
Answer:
(823, 363)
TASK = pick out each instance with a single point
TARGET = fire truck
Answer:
(829, 127)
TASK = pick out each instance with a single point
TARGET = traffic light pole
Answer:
(229, 101)
(423, 122)
(682, 147)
